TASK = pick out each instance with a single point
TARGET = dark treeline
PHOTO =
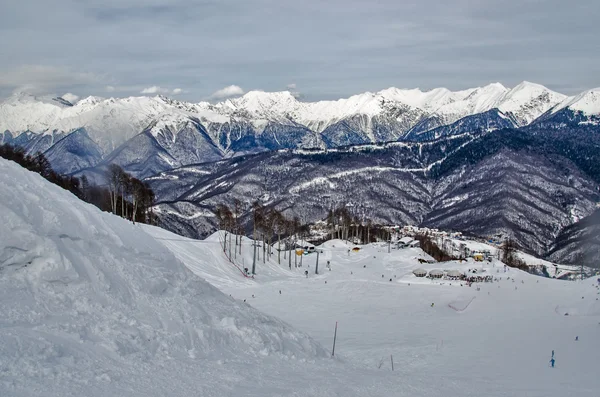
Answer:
(126, 196)
(40, 164)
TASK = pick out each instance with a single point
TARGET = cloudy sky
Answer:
(212, 49)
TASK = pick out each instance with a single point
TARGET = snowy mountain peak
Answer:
(588, 102)
(264, 104)
(528, 101)
(90, 101)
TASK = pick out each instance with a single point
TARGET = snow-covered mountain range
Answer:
(152, 134)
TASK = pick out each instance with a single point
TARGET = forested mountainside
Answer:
(526, 184)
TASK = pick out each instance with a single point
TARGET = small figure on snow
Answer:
(431, 304)
(306, 273)
(279, 292)
(576, 338)
(552, 361)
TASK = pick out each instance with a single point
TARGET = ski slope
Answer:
(493, 341)
(93, 305)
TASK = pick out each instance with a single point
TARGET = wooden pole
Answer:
(392, 360)
(254, 258)
(317, 267)
(334, 338)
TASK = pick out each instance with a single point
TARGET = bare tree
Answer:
(125, 187)
(280, 224)
(237, 209)
(113, 175)
(138, 191)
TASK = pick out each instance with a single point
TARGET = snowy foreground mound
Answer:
(87, 297)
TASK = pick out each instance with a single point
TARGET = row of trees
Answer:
(40, 164)
(267, 224)
(126, 196)
(131, 197)
(343, 225)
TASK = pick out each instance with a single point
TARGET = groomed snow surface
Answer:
(92, 305)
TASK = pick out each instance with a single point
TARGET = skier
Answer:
(306, 273)
(432, 304)
(576, 338)
(552, 361)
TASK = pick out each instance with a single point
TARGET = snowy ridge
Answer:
(131, 115)
(587, 102)
(182, 133)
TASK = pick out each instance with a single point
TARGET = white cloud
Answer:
(228, 92)
(154, 90)
(71, 97)
(110, 88)
(161, 90)
(292, 89)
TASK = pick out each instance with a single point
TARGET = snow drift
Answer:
(83, 292)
